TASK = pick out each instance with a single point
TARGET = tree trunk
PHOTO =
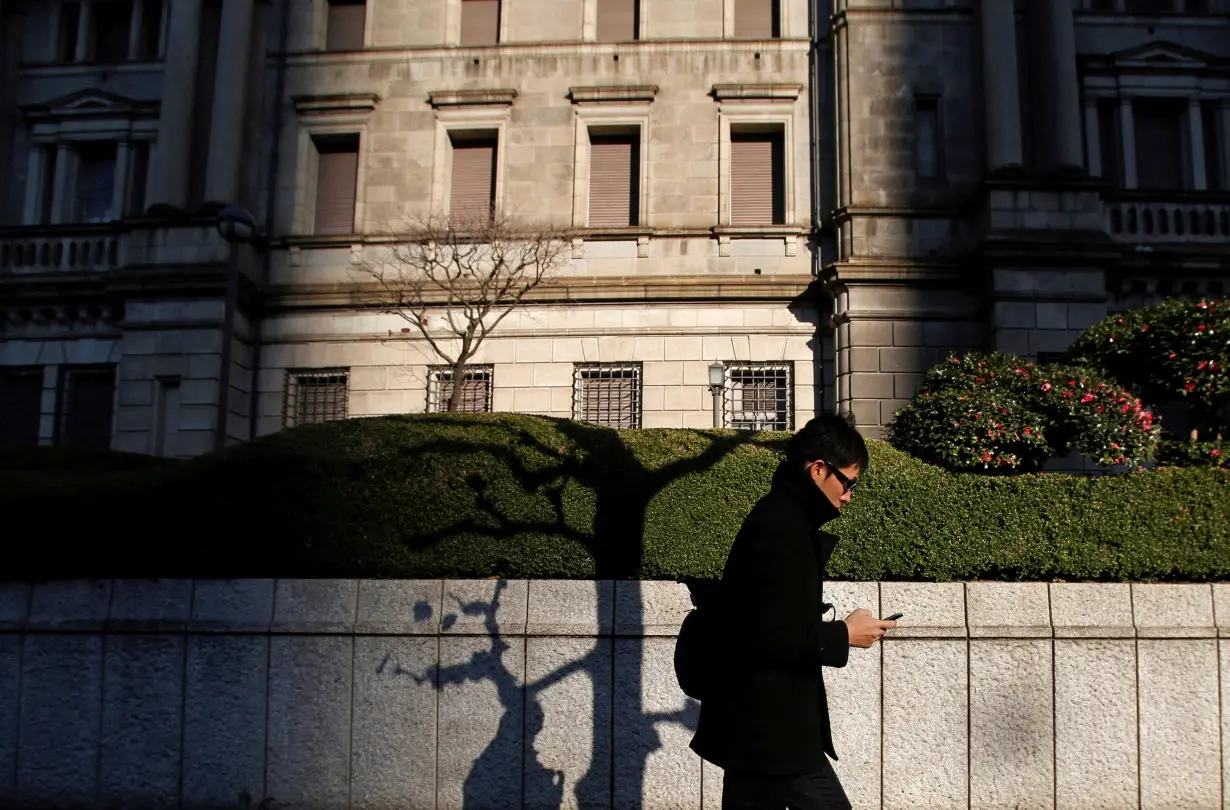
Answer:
(459, 378)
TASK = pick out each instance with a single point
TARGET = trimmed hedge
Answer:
(484, 495)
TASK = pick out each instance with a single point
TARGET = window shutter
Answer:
(612, 182)
(473, 187)
(21, 405)
(480, 22)
(346, 23)
(336, 177)
(756, 179)
(754, 19)
(617, 20)
(90, 400)
(1159, 143)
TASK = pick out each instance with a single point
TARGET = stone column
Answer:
(83, 32)
(1057, 90)
(35, 183)
(1225, 144)
(1127, 126)
(60, 188)
(1195, 126)
(1000, 85)
(169, 163)
(230, 102)
(119, 192)
(1093, 139)
(134, 30)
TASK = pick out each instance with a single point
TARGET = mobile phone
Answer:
(894, 617)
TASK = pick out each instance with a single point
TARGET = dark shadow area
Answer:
(522, 720)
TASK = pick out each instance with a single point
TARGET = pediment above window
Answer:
(90, 104)
(1166, 56)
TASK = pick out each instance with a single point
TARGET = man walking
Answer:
(764, 719)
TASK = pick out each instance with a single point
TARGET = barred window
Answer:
(316, 395)
(476, 385)
(759, 396)
(607, 394)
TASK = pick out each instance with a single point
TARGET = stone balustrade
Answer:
(84, 250)
(513, 693)
(1160, 220)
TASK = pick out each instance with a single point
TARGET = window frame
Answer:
(332, 139)
(581, 373)
(780, 175)
(786, 412)
(291, 403)
(611, 116)
(467, 120)
(436, 400)
(328, 20)
(36, 374)
(65, 374)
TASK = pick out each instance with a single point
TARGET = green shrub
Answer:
(455, 495)
(996, 413)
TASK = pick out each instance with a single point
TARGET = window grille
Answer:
(607, 394)
(759, 396)
(316, 395)
(476, 387)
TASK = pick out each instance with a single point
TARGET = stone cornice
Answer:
(335, 103)
(609, 94)
(472, 98)
(757, 92)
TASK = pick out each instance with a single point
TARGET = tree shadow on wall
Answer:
(624, 486)
(512, 759)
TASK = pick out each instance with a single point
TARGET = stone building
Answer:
(1002, 175)
(823, 200)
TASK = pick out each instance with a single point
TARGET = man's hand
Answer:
(865, 629)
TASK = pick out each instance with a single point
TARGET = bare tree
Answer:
(470, 274)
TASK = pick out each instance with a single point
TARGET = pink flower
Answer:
(1172, 356)
(1203, 305)
(956, 359)
(1201, 365)
(1145, 328)
(1114, 445)
(1046, 386)
(1086, 398)
(1019, 370)
(1191, 386)
(1071, 383)
(1127, 408)
(1214, 452)
(1201, 328)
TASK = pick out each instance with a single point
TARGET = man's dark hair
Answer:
(831, 437)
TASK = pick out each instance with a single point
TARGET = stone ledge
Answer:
(589, 608)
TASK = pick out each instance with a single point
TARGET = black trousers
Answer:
(813, 791)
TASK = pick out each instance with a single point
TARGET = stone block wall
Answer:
(533, 352)
(503, 693)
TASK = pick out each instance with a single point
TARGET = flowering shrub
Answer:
(996, 413)
(1176, 349)
(1194, 454)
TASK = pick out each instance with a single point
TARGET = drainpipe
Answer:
(270, 209)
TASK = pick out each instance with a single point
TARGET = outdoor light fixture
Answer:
(717, 383)
(237, 225)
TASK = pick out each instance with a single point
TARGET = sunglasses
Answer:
(846, 483)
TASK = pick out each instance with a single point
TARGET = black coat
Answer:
(766, 711)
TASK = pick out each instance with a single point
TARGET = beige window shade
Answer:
(617, 20)
(756, 19)
(346, 22)
(336, 178)
(480, 22)
(473, 186)
(614, 170)
(757, 179)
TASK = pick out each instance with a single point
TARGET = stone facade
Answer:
(950, 176)
(561, 694)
